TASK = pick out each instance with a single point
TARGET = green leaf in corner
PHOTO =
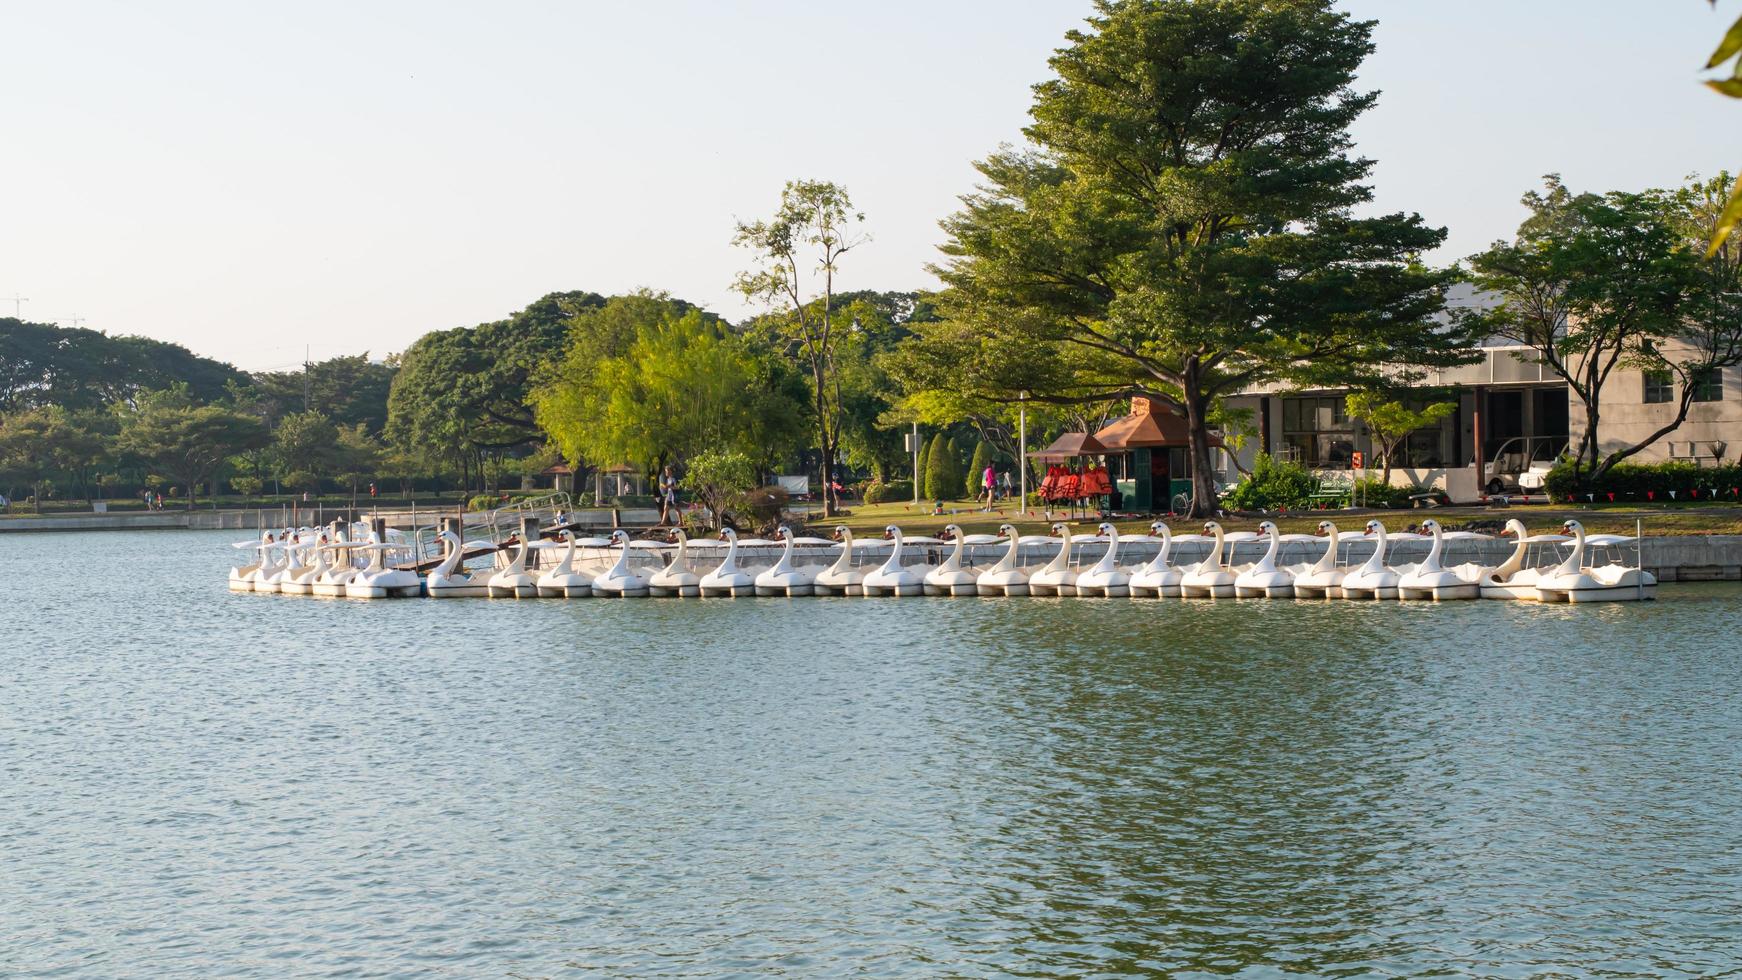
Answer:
(1729, 86)
(1729, 47)
(1727, 221)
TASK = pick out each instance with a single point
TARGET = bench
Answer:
(1334, 488)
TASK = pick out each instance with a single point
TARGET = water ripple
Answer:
(198, 783)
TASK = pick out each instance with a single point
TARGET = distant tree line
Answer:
(643, 379)
(1185, 220)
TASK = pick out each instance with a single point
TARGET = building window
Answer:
(1315, 431)
(1709, 386)
(1659, 387)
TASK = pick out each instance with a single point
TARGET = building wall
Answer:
(1627, 419)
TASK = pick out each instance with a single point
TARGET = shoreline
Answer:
(1671, 557)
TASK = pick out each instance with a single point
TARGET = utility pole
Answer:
(17, 303)
(1022, 449)
(74, 320)
(916, 464)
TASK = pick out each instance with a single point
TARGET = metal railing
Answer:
(492, 525)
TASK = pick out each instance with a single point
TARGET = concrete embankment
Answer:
(1682, 558)
(248, 520)
(132, 521)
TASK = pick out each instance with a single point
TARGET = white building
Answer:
(1512, 412)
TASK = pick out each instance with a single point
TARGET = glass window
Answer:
(1709, 386)
(1316, 432)
(1659, 387)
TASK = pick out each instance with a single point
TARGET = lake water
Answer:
(196, 783)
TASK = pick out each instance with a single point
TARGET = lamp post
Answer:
(916, 464)
(1022, 449)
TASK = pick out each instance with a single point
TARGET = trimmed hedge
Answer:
(1373, 493)
(880, 493)
(1649, 481)
(972, 486)
(943, 474)
(486, 501)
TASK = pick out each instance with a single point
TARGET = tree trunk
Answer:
(1198, 441)
(825, 451)
(1588, 447)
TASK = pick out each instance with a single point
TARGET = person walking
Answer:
(667, 496)
(1004, 484)
(989, 483)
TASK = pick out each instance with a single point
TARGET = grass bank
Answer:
(1667, 519)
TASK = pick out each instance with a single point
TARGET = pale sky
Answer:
(248, 178)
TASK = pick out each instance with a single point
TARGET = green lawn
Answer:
(1677, 519)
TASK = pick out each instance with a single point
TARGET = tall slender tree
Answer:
(816, 224)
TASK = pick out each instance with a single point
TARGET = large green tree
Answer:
(40, 443)
(462, 395)
(685, 386)
(349, 390)
(305, 446)
(1594, 283)
(184, 441)
(1184, 225)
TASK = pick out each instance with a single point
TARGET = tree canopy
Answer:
(1182, 224)
(685, 385)
(349, 390)
(43, 364)
(463, 392)
(1596, 282)
(185, 441)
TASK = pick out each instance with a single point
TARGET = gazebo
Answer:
(1151, 445)
(621, 480)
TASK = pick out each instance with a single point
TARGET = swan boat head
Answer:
(1159, 529)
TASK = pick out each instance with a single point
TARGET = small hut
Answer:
(622, 480)
(561, 477)
(1148, 452)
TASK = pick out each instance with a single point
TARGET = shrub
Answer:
(1648, 481)
(764, 505)
(719, 480)
(1273, 485)
(635, 500)
(1372, 492)
(943, 480)
(879, 493)
(484, 501)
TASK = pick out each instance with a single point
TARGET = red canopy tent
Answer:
(1067, 486)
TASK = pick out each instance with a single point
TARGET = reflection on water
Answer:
(212, 784)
